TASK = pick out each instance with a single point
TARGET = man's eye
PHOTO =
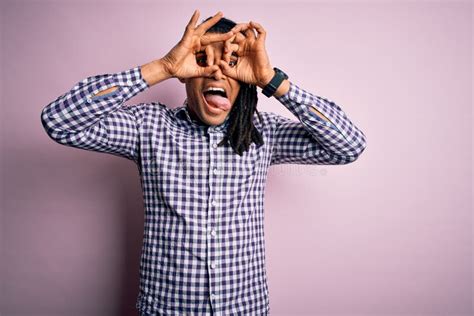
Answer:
(201, 61)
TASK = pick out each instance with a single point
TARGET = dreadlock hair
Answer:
(241, 131)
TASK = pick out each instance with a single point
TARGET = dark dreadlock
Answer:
(241, 131)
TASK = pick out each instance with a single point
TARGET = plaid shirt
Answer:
(203, 247)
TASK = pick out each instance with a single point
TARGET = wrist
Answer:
(166, 66)
(276, 83)
(266, 79)
(155, 72)
(283, 88)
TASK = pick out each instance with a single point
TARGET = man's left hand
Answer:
(253, 66)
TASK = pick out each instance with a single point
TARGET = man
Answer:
(203, 165)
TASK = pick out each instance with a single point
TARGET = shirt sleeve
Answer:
(79, 118)
(313, 140)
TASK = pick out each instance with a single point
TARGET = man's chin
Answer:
(211, 115)
(215, 120)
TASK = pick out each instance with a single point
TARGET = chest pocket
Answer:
(240, 184)
(240, 167)
(181, 179)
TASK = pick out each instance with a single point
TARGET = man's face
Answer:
(198, 107)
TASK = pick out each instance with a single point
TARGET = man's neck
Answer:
(195, 117)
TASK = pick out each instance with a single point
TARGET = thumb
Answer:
(207, 71)
(227, 70)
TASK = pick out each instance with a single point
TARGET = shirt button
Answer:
(89, 100)
(214, 203)
(216, 171)
(214, 145)
(213, 233)
(213, 296)
(213, 265)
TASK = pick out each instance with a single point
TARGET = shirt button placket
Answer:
(213, 219)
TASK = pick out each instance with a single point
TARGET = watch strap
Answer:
(270, 89)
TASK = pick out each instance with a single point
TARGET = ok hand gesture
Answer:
(253, 65)
(180, 62)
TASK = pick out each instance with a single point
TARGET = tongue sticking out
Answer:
(217, 101)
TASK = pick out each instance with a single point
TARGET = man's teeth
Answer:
(214, 89)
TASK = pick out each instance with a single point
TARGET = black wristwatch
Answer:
(270, 89)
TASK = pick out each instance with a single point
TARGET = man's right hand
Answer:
(180, 62)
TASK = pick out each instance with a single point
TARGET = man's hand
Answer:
(180, 62)
(253, 65)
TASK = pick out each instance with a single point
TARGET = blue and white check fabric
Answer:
(203, 247)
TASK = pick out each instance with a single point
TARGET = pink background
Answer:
(389, 234)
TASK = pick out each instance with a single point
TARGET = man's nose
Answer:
(214, 56)
(218, 75)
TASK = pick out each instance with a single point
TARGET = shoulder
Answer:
(270, 119)
(266, 118)
(149, 111)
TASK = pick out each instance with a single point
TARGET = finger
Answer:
(240, 27)
(249, 34)
(210, 55)
(192, 22)
(252, 28)
(232, 48)
(204, 26)
(227, 70)
(190, 26)
(207, 71)
(227, 48)
(215, 37)
(234, 44)
(239, 38)
(260, 31)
